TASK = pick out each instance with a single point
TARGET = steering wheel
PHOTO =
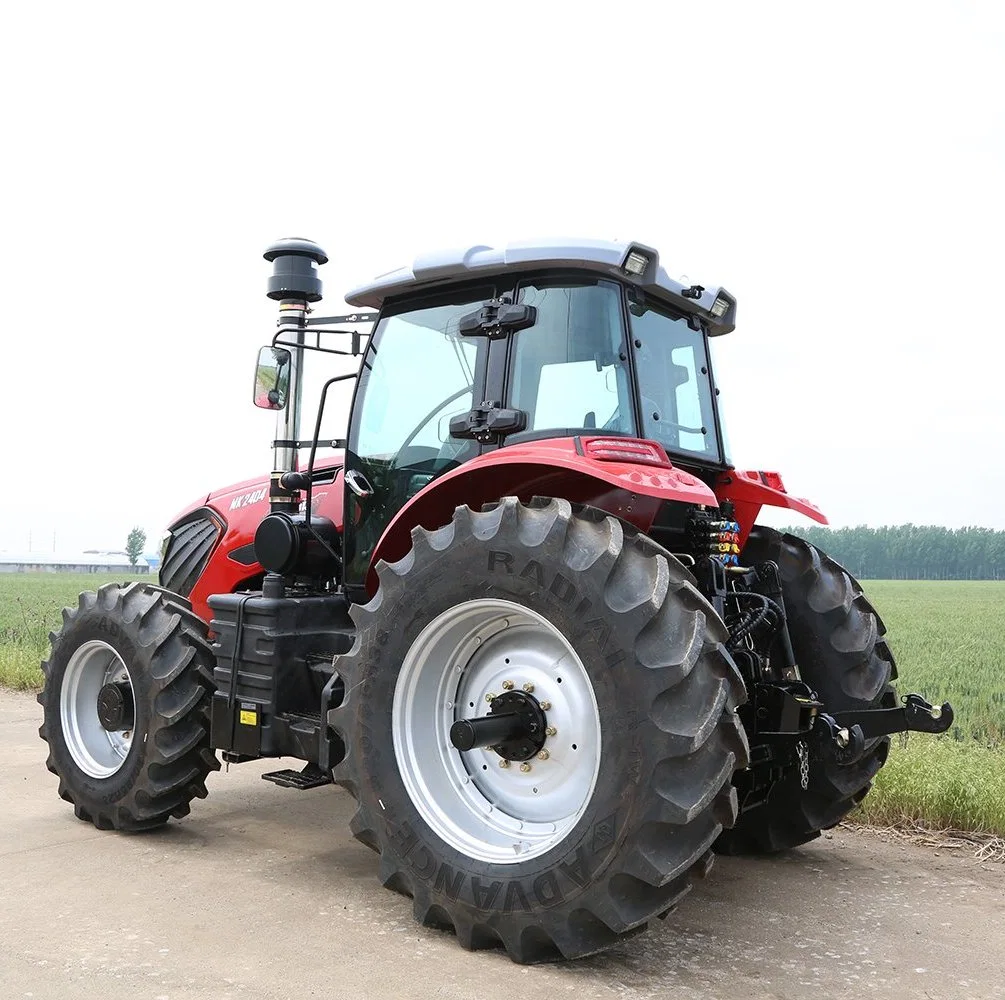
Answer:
(429, 416)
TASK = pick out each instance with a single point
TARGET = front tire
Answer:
(126, 707)
(606, 628)
(842, 653)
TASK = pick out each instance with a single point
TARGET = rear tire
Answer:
(839, 645)
(149, 644)
(644, 666)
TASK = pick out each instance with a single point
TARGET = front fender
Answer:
(751, 490)
(556, 467)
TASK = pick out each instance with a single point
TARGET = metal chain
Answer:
(804, 764)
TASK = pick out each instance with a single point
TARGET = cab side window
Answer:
(569, 370)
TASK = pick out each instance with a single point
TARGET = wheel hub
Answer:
(115, 706)
(491, 654)
(515, 727)
(97, 709)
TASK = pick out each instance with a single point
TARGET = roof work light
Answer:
(719, 306)
(636, 263)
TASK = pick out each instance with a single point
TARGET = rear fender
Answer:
(751, 490)
(557, 467)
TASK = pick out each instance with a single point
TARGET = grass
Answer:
(949, 641)
(939, 783)
(30, 605)
(948, 638)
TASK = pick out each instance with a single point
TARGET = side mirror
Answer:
(272, 378)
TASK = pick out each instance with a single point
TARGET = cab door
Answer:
(416, 374)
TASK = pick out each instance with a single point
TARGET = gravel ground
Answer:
(262, 892)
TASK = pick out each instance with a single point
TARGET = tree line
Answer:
(913, 551)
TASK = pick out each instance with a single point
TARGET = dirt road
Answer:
(262, 892)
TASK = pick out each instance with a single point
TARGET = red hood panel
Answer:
(242, 507)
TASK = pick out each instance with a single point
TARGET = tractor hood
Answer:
(209, 545)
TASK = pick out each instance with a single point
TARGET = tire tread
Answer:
(172, 641)
(661, 855)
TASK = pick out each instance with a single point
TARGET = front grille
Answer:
(188, 550)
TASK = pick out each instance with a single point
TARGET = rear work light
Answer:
(626, 450)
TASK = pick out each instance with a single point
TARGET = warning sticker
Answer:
(249, 718)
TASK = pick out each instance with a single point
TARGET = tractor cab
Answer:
(480, 349)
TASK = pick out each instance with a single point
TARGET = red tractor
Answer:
(523, 615)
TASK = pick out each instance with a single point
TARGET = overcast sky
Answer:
(839, 168)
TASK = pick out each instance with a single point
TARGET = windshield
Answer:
(675, 388)
(419, 372)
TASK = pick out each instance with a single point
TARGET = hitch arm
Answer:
(916, 715)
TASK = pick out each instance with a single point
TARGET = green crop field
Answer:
(948, 638)
(949, 642)
(30, 605)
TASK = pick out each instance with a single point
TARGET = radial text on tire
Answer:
(604, 828)
(126, 704)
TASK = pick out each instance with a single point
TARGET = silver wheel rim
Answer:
(489, 812)
(97, 751)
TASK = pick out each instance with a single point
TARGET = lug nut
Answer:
(490, 696)
(504, 763)
(525, 767)
(507, 685)
(550, 731)
(543, 755)
(528, 687)
(545, 705)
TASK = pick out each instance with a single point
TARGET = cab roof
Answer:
(442, 267)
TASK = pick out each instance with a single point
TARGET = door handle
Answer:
(359, 484)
